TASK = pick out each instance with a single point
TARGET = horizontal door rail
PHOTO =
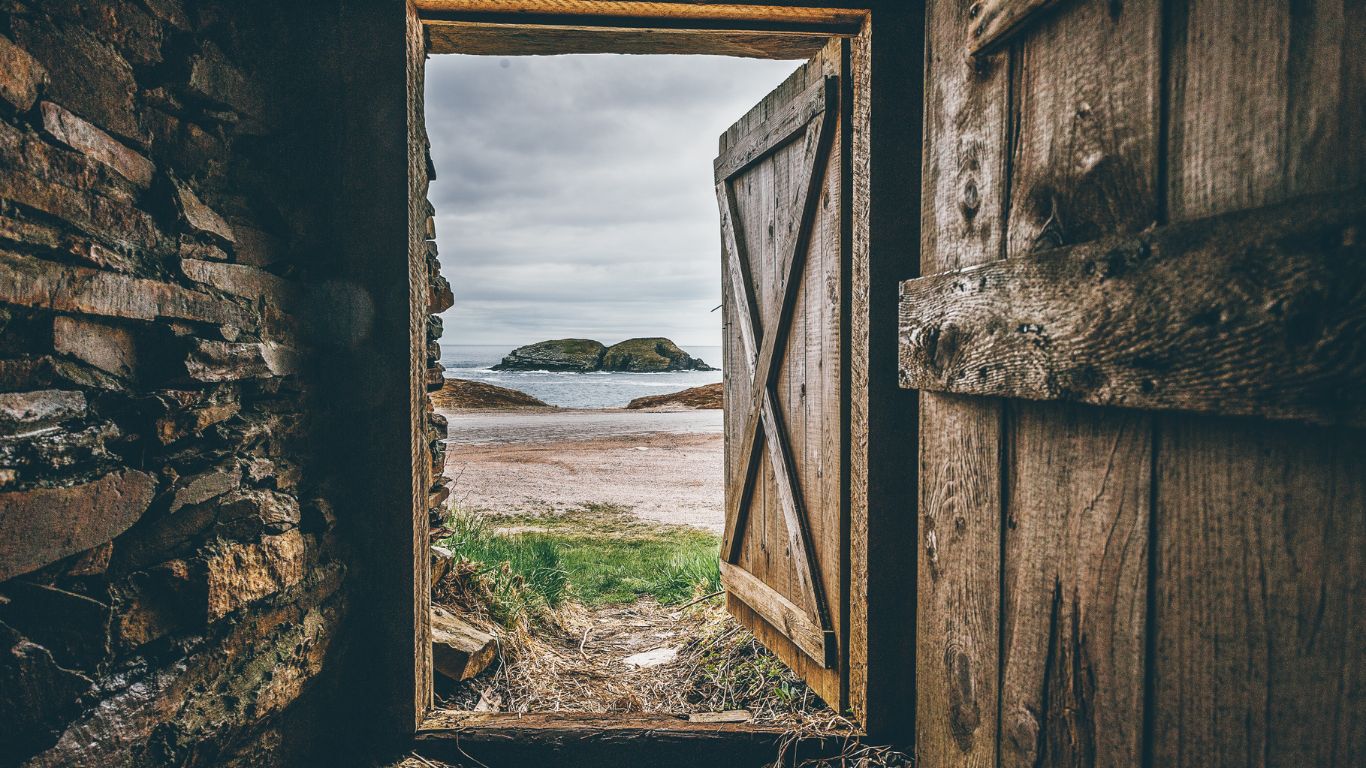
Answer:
(1257, 313)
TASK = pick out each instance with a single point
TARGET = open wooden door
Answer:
(783, 192)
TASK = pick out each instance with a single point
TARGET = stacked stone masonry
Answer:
(171, 579)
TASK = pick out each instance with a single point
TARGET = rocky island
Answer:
(644, 355)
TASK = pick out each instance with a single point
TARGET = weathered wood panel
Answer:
(584, 740)
(1258, 312)
(958, 568)
(485, 39)
(1075, 559)
(785, 525)
(1258, 608)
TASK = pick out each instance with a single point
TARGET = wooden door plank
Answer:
(1256, 313)
(958, 570)
(762, 546)
(783, 614)
(1259, 614)
(1084, 165)
(777, 131)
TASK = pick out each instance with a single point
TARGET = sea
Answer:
(600, 389)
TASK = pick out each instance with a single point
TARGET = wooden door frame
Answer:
(885, 204)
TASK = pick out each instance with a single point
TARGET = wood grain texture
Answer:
(816, 13)
(416, 565)
(625, 739)
(478, 38)
(1259, 312)
(1260, 602)
(1259, 531)
(994, 22)
(958, 566)
(1075, 555)
(783, 614)
(784, 208)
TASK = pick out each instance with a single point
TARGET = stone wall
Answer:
(172, 581)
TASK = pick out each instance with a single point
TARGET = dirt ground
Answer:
(663, 466)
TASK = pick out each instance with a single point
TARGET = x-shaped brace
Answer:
(765, 342)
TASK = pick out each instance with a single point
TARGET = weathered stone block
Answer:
(63, 288)
(241, 280)
(111, 348)
(26, 413)
(188, 413)
(70, 186)
(459, 650)
(241, 574)
(199, 488)
(51, 371)
(442, 559)
(248, 513)
(20, 75)
(440, 297)
(214, 361)
(158, 601)
(201, 217)
(66, 127)
(42, 525)
(86, 74)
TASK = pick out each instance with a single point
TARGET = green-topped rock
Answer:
(585, 356)
(581, 355)
(649, 355)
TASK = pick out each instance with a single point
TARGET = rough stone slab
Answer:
(215, 361)
(70, 186)
(52, 372)
(158, 601)
(440, 297)
(42, 284)
(442, 559)
(20, 75)
(201, 217)
(459, 651)
(71, 130)
(250, 512)
(24, 413)
(86, 75)
(242, 280)
(43, 525)
(191, 412)
(241, 574)
(199, 488)
(110, 348)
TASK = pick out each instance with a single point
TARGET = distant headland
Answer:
(645, 355)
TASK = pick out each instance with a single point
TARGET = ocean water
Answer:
(603, 389)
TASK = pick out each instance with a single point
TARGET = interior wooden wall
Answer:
(1111, 587)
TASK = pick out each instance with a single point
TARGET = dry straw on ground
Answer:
(572, 660)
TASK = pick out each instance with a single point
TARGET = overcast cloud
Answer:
(574, 194)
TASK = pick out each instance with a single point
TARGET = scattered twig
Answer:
(695, 601)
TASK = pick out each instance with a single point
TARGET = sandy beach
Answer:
(664, 466)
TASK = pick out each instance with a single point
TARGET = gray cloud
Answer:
(574, 193)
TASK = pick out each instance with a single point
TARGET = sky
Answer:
(574, 194)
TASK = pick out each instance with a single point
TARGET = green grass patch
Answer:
(598, 555)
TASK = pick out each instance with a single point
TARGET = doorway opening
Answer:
(576, 216)
(788, 178)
